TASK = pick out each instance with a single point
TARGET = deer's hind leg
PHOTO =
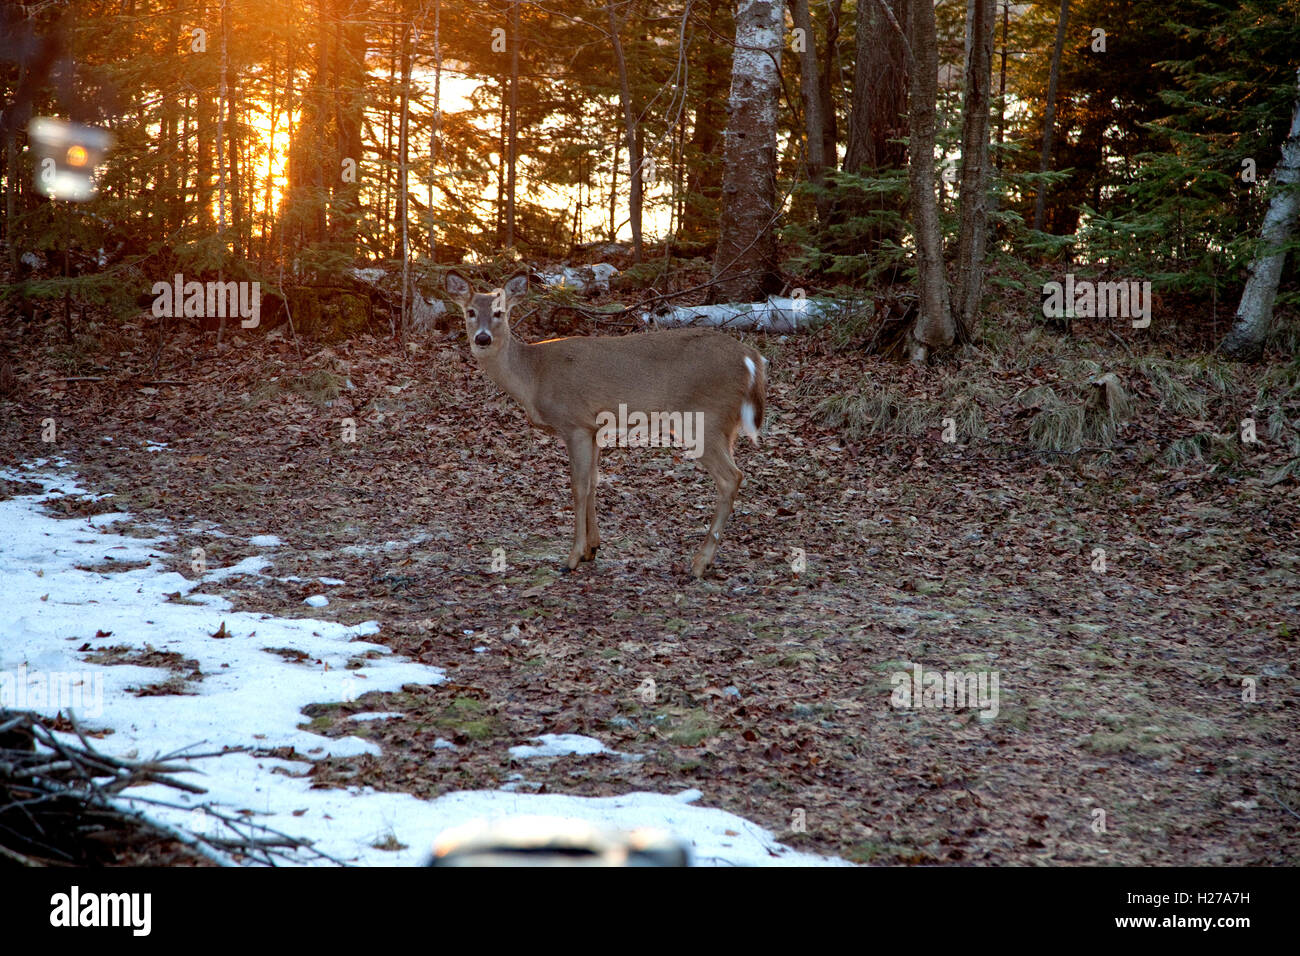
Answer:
(717, 461)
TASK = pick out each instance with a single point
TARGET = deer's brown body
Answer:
(569, 386)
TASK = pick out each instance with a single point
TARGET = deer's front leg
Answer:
(582, 454)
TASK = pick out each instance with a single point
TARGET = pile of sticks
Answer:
(63, 804)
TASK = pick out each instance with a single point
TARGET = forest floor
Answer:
(1147, 708)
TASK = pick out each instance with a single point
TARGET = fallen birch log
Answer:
(778, 315)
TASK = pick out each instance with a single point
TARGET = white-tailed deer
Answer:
(575, 388)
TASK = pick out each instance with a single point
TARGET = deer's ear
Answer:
(517, 286)
(459, 288)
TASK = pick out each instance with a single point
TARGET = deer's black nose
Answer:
(483, 340)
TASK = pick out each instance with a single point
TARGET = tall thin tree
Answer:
(805, 44)
(512, 147)
(1049, 116)
(934, 325)
(973, 234)
(631, 132)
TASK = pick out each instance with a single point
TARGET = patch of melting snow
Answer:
(559, 745)
(562, 745)
(248, 567)
(265, 541)
(360, 550)
(210, 532)
(251, 699)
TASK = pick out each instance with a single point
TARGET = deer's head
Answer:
(487, 314)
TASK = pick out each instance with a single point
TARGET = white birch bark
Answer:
(744, 266)
(777, 315)
(1255, 312)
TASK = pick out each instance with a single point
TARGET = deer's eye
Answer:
(497, 314)
(469, 313)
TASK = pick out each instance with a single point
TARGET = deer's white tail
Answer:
(752, 408)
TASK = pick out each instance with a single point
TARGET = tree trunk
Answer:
(881, 77)
(631, 133)
(613, 193)
(1255, 312)
(403, 145)
(745, 266)
(11, 178)
(828, 81)
(934, 326)
(1049, 119)
(349, 114)
(403, 149)
(388, 165)
(166, 202)
(237, 225)
(503, 82)
(880, 89)
(1002, 82)
(973, 236)
(307, 183)
(222, 104)
(810, 89)
(435, 130)
(703, 166)
(203, 143)
(512, 148)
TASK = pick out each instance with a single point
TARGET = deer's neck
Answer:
(512, 369)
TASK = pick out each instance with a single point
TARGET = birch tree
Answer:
(1255, 312)
(745, 266)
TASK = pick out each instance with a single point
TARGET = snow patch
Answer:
(561, 745)
(246, 568)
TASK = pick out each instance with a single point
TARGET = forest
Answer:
(1006, 295)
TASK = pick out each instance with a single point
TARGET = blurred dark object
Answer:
(554, 841)
(35, 56)
(66, 156)
(66, 152)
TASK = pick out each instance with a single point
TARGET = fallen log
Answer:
(777, 315)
